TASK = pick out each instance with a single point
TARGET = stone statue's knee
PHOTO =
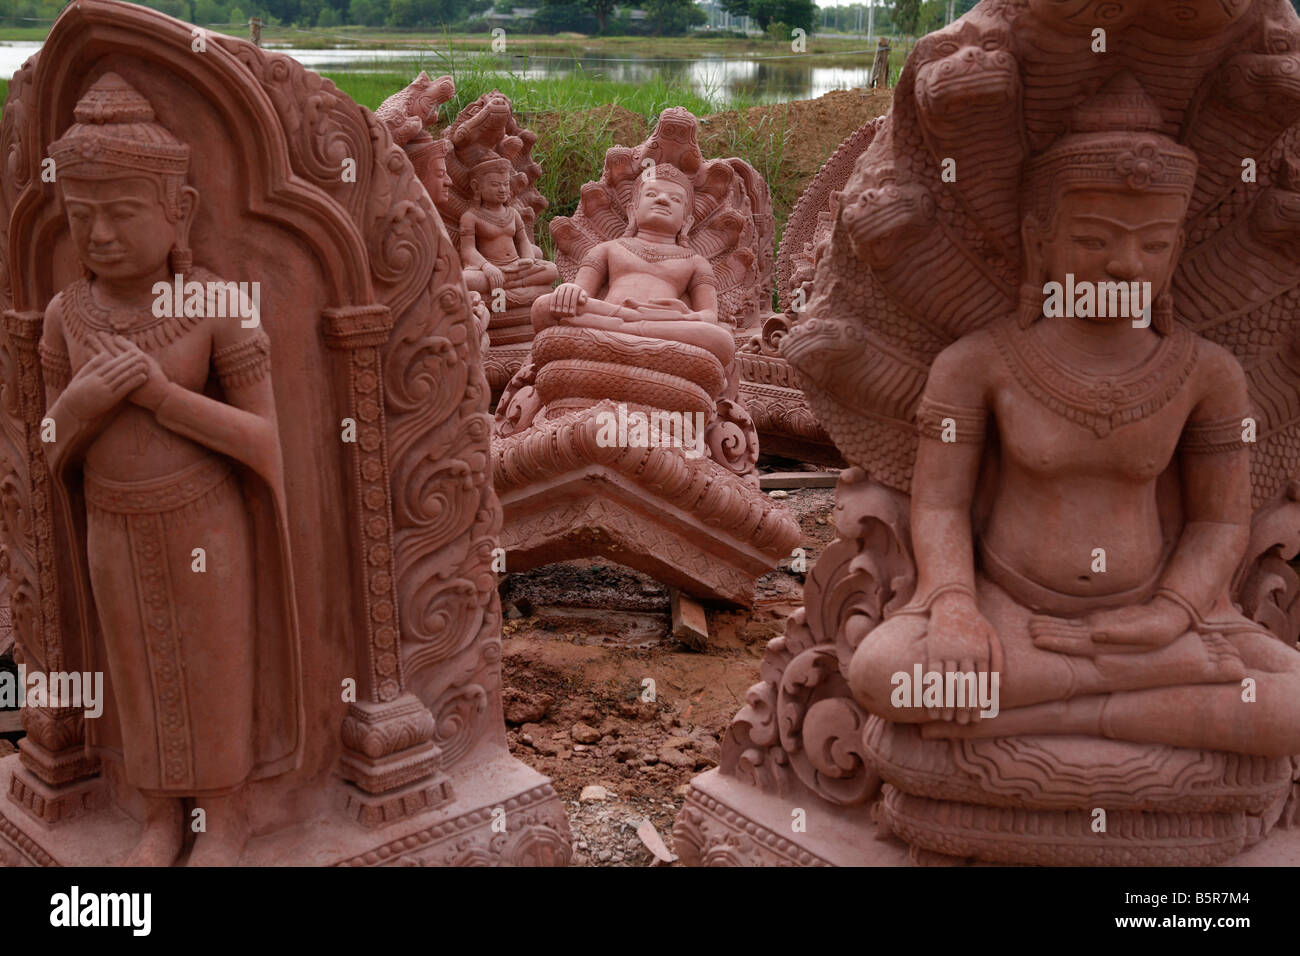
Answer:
(540, 313)
(883, 652)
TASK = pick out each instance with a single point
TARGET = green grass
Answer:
(476, 74)
(574, 130)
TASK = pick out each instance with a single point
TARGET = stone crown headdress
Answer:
(495, 164)
(1114, 140)
(115, 131)
(665, 172)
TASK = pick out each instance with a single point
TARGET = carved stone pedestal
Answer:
(726, 822)
(503, 813)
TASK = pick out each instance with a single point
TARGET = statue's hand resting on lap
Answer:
(959, 640)
(1126, 630)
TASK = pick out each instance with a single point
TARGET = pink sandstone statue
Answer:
(226, 369)
(769, 387)
(1087, 509)
(636, 339)
(482, 178)
(496, 250)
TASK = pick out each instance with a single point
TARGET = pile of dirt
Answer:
(813, 129)
(638, 721)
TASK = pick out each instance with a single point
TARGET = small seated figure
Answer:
(1081, 497)
(495, 248)
(648, 282)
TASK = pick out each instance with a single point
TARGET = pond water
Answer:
(768, 79)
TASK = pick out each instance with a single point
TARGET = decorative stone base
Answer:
(503, 813)
(500, 365)
(53, 805)
(726, 822)
(786, 424)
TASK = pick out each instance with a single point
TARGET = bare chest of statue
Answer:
(641, 271)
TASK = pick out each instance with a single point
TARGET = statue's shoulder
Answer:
(964, 371)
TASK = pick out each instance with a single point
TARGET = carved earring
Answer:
(181, 258)
(1162, 313)
(1031, 305)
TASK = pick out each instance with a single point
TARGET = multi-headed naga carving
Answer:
(619, 437)
(1096, 506)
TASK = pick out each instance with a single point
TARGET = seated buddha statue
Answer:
(647, 282)
(1081, 497)
(495, 247)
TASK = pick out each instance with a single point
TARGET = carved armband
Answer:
(950, 423)
(592, 261)
(55, 365)
(1216, 437)
(704, 278)
(245, 362)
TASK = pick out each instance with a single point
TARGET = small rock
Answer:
(512, 613)
(679, 743)
(683, 790)
(584, 733)
(624, 752)
(649, 758)
(604, 856)
(593, 793)
(653, 842)
(580, 748)
(675, 758)
(522, 707)
(778, 493)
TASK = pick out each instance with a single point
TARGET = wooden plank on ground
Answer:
(798, 479)
(690, 626)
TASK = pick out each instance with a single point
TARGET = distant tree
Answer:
(236, 15)
(907, 14)
(795, 13)
(369, 13)
(564, 16)
(673, 17)
(328, 17)
(602, 9)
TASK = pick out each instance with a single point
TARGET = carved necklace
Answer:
(1102, 403)
(85, 319)
(653, 252)
(503, 218)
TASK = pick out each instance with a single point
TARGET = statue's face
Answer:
(438, 182)
(1115, 236)
(119, 226)
(661, 203)
(493, 186)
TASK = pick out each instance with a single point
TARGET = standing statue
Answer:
(167, 469)
(259, 510)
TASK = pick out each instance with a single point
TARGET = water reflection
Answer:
(725, 79)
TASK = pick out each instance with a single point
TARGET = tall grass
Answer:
(577, 117)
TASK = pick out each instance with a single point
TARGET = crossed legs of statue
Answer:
(1189, 693)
